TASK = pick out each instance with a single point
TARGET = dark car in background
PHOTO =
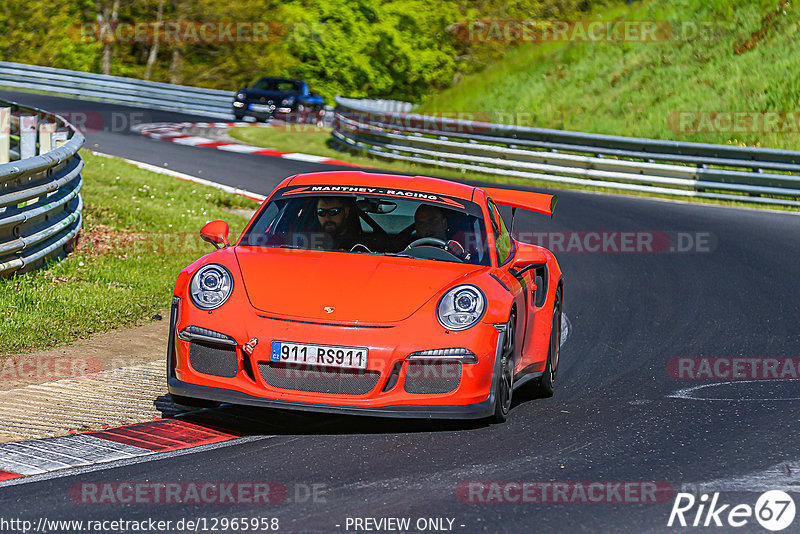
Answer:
(284, 98)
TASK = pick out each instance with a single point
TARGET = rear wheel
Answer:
(505, 379)
(192, 402)
(547, 384)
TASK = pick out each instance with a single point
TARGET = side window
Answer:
(502, 239)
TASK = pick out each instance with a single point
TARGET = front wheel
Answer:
(505, 379)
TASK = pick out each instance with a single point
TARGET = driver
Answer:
(338, 218)
(430, 221)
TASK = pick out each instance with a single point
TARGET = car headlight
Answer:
(461, 307)
(287, 101)
(240, 96)
(211, 286)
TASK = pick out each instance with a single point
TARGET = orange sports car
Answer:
(370, 294)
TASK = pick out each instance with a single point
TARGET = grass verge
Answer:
(140, 229)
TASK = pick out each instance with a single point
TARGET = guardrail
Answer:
(40, 183)
(118, 89)
(767, 176)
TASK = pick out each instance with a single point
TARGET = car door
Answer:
(505, 247)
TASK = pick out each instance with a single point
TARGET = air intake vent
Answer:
(212, 359)
(319, 379)
(432, 377)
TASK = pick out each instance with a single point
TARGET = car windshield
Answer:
(374, 224)
(277, 84)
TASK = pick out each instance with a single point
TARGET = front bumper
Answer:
(478, 410)
(474, 398)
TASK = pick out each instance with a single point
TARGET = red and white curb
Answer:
(173, 132)
(40, 456)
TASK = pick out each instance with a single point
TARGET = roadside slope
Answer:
(720, 56)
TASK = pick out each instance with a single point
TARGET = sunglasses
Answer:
(330, 212)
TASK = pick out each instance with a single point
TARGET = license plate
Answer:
(310, 354)
(261, 107)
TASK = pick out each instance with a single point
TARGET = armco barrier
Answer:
(40, 183)
(128, 91)
(761, 175)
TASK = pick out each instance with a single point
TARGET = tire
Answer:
(505, 379)
(238, 116)
(192, 402)
(547, 384)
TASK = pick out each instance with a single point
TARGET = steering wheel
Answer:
(365, 247)
(427, 241)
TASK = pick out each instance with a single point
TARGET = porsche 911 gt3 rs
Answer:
(370, 294)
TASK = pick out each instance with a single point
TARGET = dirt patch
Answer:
(757, 36)
(100, 239)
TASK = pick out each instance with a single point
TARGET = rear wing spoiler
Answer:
(538, 202)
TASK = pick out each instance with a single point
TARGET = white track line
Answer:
(688, 393)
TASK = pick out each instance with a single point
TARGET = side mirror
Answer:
(216, 233)
(529, 259)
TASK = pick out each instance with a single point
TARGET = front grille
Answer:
(217, 360)
(432, 377)
(319, 379)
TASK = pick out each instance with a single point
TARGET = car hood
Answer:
(359, 287)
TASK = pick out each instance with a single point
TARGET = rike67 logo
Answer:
(774, 510)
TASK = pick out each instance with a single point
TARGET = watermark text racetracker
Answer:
(562, 241)
(733, 122)
(178, 31)
(90, 121)
(49, 368)
(589, 31)
(632, 241)
(733, 368)
(567, 492)
(198, 492)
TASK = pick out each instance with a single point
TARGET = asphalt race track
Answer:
(620, 412)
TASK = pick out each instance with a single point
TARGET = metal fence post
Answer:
(27, 136)
(5, 134)
(46, 130)
(59, 138)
